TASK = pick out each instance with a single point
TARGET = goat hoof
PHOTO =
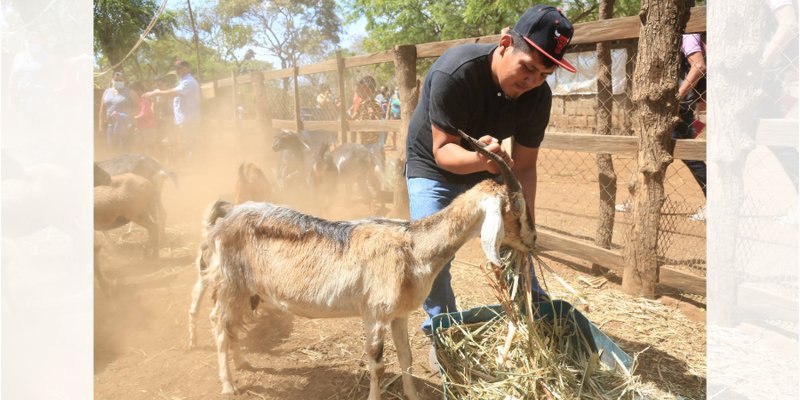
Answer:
(228, 389)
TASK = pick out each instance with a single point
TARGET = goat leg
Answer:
(400, 338)
(375, 331)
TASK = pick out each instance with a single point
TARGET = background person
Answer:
(185, 106)
(118, 106)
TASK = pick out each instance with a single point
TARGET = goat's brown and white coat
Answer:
(378, 269)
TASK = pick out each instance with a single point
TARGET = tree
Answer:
(118, 25)
(286, 29)
(654, 98)
(393, 22)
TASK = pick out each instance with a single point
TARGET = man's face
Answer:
(520, 72)
(181, 70)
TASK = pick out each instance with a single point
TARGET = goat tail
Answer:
(227, 276)
(218, 210)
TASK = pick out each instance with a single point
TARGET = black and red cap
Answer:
(548, 31)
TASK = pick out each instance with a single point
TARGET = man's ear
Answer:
(505, 43)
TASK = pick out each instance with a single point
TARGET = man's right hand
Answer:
(493, 145)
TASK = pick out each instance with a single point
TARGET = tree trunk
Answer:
(656, 109)
(606, 177)
(405, 62)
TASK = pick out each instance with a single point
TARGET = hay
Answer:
(517, 356)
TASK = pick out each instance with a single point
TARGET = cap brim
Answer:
(563, 63)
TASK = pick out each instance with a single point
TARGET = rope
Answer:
(139, 42)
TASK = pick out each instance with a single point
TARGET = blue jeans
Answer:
(426, 197)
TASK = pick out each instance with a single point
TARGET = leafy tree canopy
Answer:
(392, 22)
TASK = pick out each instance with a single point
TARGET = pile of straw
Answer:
(518, 356)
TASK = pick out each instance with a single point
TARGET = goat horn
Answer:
(513, 185)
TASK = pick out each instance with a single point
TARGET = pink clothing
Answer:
(692, 44)
(145, 119)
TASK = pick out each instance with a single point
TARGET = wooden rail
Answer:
(670, 277)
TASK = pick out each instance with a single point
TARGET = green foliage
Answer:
(118, 24)
(393, 22)
(286, 29)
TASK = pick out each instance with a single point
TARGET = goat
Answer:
(357, 164)
(298, 154)
(252, 184)
(378, 269)
(101, 177)
(129, 198)
(147, 167)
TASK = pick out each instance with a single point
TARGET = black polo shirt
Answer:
(459, 93)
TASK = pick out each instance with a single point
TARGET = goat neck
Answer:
(437, 238)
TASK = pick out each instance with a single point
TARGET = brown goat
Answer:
(252, 184)
(378, 269)
(129, 198)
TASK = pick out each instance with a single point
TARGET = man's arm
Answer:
(450, 156)
(696, 72)
(787, 29)
(525, 170)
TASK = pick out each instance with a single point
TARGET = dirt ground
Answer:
(141, 320)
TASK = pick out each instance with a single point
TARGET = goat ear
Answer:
(492, 229)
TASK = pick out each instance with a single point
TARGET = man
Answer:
(491, 92)
(185, 105)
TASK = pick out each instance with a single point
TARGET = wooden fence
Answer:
(618, 31)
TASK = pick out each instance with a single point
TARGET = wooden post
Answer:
(405, 75)
(606, 177)
(259, 95)
(342, 106)
(654, 99)
(298, 121)
(235, 101)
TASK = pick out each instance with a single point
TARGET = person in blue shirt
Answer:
(186, 106)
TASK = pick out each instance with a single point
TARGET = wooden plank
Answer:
(369, 59)
(697, 20)
(389, 125)
(777, 132)
(605, 30)
(588, 32)
(690, 149)
(435, 49)
(549, 241)
(289, 124)
(224, 82)
(590, 143)
(332, 125)
(208, 90)
(278, 73)
(685, 149)
(682, 281)
(628, 28)
(325, 66)
(577, 248)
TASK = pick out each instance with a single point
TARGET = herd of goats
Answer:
(257, 253)
(127, 188)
